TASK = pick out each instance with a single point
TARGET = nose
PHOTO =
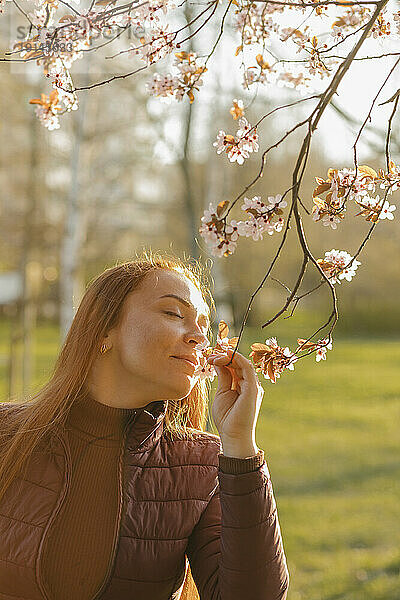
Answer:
(196, 336)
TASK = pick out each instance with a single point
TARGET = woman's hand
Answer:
(237, 402)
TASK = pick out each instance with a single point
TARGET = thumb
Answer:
(223, 373)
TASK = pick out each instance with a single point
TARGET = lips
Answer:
(188, 361)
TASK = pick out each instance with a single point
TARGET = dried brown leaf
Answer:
(223, 329)
(221, 208)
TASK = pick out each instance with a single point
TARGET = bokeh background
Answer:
(127, 171)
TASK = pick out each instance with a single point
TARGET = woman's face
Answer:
(156, 328)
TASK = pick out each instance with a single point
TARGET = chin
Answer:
(181, 390)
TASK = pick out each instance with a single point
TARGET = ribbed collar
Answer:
(97, 419)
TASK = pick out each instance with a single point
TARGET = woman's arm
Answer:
(236, 550)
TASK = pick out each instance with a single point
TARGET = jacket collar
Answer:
(145, 427)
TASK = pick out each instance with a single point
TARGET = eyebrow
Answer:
(185, 302)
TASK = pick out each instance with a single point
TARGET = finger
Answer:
(223, 360)
(229, 381)
(233, 366)
(225, 378)
(241, 368)
(238, 359)
(235, 380)
(250, 387)
(244, 367)
(235, 361)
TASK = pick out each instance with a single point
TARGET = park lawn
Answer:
(330, 432)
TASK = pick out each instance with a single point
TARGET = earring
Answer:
(103, 348)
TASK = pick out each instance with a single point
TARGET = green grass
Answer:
(330, 432)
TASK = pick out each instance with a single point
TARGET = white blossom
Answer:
(387, 211)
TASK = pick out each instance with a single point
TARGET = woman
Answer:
(109, 486)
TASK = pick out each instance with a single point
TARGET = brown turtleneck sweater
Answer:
(80, 539)
(79, 543)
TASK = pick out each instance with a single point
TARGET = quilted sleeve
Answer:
(230, 464)
(235, 551)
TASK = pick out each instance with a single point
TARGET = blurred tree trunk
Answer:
(222, 293)
(189, 194)
(12, 361)
(75, 228)
(218, 186)
(27, 307)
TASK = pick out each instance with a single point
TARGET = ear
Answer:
(109, 337)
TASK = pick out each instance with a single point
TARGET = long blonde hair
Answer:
(27, 423)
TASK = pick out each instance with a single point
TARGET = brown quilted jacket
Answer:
(175, 505)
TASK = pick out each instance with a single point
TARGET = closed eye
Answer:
(168, 312)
